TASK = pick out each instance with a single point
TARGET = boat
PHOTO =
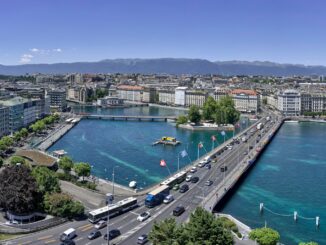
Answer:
(133, 184)
(167, 141)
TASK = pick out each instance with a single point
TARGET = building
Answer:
(109, 101)
(149, 95)
(272, 101)
(15, 113)
(195, 97)
(180, 96)
(313, 102)
(58, 100)
(245, 100)
(166, 97)
(289, 102)
(79, 94)
(219, 93)
(4, 120)
(130, 93)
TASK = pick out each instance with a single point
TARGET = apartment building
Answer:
(289, 102)
(130, 93)
(4, 120)
(58, 100)
(313, 102)
(245, 100)
(195, 97)
(166, 97)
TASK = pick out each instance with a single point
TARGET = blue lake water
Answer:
(290, 176)
(128, 144)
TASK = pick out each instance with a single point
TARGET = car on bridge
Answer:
(193, 170)
(143, 216)
(176, 187)
(208, 182)
(188, 178)
(178, 211)
(68, 242)
(101, 224)
(194, 179)
(142, 239)
(184, 188)
(112, 234)
(94, 234)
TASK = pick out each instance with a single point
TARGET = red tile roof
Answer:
(129, 87)
(244, 91)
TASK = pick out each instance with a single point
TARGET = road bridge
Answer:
(128, 117)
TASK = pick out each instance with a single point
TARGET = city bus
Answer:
(112, 209)
(175, 179)
(157, 196)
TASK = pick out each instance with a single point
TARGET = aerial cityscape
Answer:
(162, 122)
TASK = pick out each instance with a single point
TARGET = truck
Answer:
(157, 196)
(259, 126)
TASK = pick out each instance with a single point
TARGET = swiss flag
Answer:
(162, 163)
(213, 138)
(200, 145)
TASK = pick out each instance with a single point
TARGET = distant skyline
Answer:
(46, 31)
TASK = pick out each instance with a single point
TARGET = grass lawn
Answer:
(6, 236)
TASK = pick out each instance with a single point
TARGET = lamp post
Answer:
(108, 219)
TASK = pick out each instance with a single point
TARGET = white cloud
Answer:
(59, 50)
(35, 50)
(26, 58)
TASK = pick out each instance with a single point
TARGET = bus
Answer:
(157, 196)
(112, 209)
(175, 179)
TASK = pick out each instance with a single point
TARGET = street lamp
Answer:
(108, 219)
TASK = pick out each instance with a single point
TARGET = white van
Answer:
(68, 234)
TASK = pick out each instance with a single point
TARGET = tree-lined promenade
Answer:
(219, 112)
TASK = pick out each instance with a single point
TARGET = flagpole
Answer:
(178, 161)
(198, 152)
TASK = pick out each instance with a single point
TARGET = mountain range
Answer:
(167, 66)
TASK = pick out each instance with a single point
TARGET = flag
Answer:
(237, 125)
(213, 138)
(184, 153)
(223, 133)
(200, 145)
(162, 163)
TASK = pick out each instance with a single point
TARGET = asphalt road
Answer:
(130, 228)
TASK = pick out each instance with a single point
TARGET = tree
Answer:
(17, 159)
(7, 141)
(66, 164)
(204, 228)
(265, 236)
(182, 120)
(24, 132)
(62, 205)
(1, 162)
(194, 114)
(166, 232)
(18, 190)
(308, 243)
(17, 136)
(47, 181)
(209, 108)
(82, 169)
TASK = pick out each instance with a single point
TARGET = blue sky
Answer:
(50, 31)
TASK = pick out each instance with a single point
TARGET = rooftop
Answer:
(244, 91)
(37, 158)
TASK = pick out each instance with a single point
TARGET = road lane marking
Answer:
(134, 213)
(84, 226)
(50, 241)
(44, 237)
(87, 228)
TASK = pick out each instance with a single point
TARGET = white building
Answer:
(289, 102)
(131, 93)
(197, 98)
(166, 97)
(245, 100)
(109, 101)
(180, 96)
(313, 102)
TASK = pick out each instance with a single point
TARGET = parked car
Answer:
(142, 239)
(201, 164)
(188, 178)
(178, 210)
(208, 182)
(143, 216)
(112, 234)
(168, 199)
(184, 188)
(101, 224)
(194, 179)
(176, 187)
(94, 234)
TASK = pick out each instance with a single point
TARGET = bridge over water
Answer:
(128, 117)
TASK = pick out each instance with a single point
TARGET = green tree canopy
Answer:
(1, 162)
(194, 114)
(8, 141)
(182, 119)
(166, 232)
(38, 126)
(265, 236)
(209, 108)
(18, 189)
(82, 169)
(17, 159)
(202, 228)
(24, 132)
(46, 180)
(62, 205)
(66, 164)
